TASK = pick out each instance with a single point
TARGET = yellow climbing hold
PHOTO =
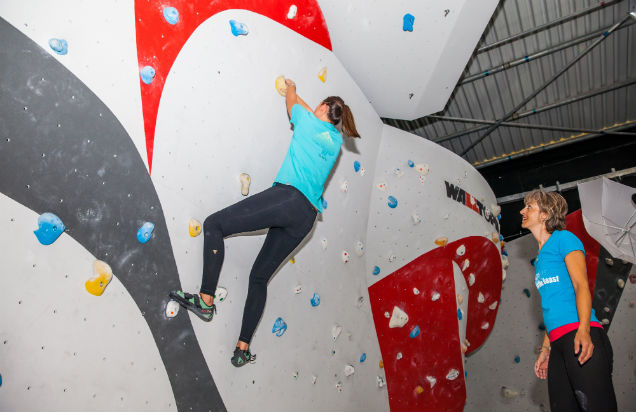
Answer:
(280, 85)
(292, 260)
(194, 227)
(419, 389)
(441, 241)
(322, 74)
(381, 364)
(102, 277)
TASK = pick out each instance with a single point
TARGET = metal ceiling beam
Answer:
(545, 26)
(540, 109)
(532, 126)
(534, 56)
(546, 84)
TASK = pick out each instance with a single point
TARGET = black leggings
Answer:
(288, 215)
(587, 387)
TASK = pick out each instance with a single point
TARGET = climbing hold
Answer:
(414, 332)
(465, 264)
(387, 315)
(194, 227)
(526, 292)
(323, 243)
(145, 231)
(147, 74)
(504, 252)
(295, 375)
(238, 29)
(102, 275)
(609, 261)
(481, 298)
(376, 270)
(517, 359)
(503, 275)
(279, 327)
(335, 331)
(471, 279)
(171, 15)
(314, 378)
(322, 74)
(398, 318)
(220, 294)
(344, 186)
(410, 163)
(441, 241)
(460, 299)
(0, 380)
(59, 46)
(485, 325)
(292, 11)
(280, 85)
(422, 178)
(398, 172)
(398, 356)
(541, 326)
(422, 169)
(605, 321)
(362, 171)
(380, 381)
(345, 256)
(452, 374)
(504, 262)
(172, 308)
(381, 364)
(363, 357)
(416, 291)
(245, 180)
(435, 296)
(461, 251)
(495, 237)
(360, 302)
(495, 209)
(464, 348)
(392, 202)
(416, 218)
(339, 386)
(407, 23)
(298, 289)
(459, 314)
(509, 393)
(392, 257)
(499, 216)
(382, 186)
(607, 309)
(359, 248)
(315, 300)
(493, 306)
(632, 277)
(431, 381)
(50, 227)
(349, 370)
(292, 260)
(419, 389)
(356, 166)
(324, 203)
(620, 283)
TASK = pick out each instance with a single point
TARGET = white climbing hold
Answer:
(362, 171)
(466, 342)
(335, 331)
(295, 375)
(298, 289)
(452, 374)
(398, 318)
(422, 178)
(387, 315)
(416, 291)
(392, 257)
(220, 294)
(398, 172)
(503, 275)
(485, 325)
(445, 217)
(416, 218)
(349, 370)
(495, 209)
(422, 168)
(382, 186)
(481, 298)
(292, 11)
(314, 378)
(465, 264)
(172, 308)
(323, 243)
(493, 305)
(461, 251)
(435, 296)
(471, 279)
(339, 386)
(504, 262)
(464, 348)
(431, 381)
(359, 248)
(344, 186)
(509, 393)
(245, 180)
(620, 283)
(460, 299)
(398, 356)
(380, 381)
(345, 256)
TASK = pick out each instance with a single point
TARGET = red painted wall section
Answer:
(574, 223)
(159, 43)
(437, 349)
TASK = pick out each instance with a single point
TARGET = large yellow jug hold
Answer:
(194, 227)
(102, 277)
(280, 85)
(322, 74)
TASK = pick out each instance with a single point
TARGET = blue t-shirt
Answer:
(312, 152)
(553, 281)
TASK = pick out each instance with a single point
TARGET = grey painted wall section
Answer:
(63, 151)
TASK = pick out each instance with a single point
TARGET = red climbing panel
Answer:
(436, 351)
(159, 43)
(574, 223)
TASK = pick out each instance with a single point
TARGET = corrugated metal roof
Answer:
(600, 88)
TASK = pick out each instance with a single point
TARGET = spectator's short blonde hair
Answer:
(551, 203)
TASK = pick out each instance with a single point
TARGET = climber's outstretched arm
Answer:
(291, 98)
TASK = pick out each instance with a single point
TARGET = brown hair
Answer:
(339, 111)
(551, 203)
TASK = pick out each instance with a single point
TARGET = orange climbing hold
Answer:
(441, 241)
(419, 389)
(101, 279)
(381, 364)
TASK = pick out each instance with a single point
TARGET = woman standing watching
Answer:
(288, 209)
(576, 355)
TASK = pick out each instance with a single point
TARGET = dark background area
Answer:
(564, 164)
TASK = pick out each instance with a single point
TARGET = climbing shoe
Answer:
(195, 304)
(242, 357)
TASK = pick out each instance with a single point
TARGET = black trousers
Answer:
(288, 215)
(587, 387)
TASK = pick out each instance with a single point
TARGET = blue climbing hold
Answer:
(59, 46)
(50, 227)
(500, 237)
(363, 357)
(356, 166)
(499, 216)
(504, 252)
(392, 202)
(465, 374)
(527, 292)
(0, 379)
(414, 332)
(407, 24)
(517, 359)
(324, 203)
(315, 300)
(171, 15)
(411, 164)
(459, 314)
(279, 327)
(238, 29)
(376, 270)
(147, 74)
(144, 232)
